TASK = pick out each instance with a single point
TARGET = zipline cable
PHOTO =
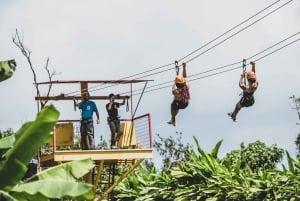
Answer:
(232, 64)
(213, 41)
(238, 31)
(231, 29)
(163, 66)
(220, 72)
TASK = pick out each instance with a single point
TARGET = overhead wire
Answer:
(226, 32)
(96, 88)
(238, 31)
(213, 40)
(228, 65)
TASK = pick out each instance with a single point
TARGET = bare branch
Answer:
(27, 53)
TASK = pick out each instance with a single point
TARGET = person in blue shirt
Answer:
(88, 108)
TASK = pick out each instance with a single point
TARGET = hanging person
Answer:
(180, 91)
(247, 99)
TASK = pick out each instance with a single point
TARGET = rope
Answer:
(127, 105)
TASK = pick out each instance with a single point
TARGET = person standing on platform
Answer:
(88, 108)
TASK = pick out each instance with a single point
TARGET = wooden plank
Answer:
(63, 97)
(116, 154)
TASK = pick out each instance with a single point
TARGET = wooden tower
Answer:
(135, 144)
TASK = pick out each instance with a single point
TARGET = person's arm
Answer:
(174, 87)
(75, 104)
(253, 66)
(242, 83)
(123, 103)
(108, 107)
(184, 70)
(187, 84)
(98, 117)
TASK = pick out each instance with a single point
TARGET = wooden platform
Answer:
(108, 156)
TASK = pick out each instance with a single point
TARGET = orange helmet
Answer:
(251, 75)
(179, 79)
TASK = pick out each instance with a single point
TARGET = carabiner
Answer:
(176, 67)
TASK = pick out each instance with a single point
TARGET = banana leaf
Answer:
(70, 171)
(53, 188)
(28, 141)
(7, 69)
(7, 142)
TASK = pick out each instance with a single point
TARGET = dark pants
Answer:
(87, 135)
(247, 101)
(179, 104)
(115, 130)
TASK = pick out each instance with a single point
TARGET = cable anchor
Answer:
(176, 67)
(244, 70)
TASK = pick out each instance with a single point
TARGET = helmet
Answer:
(251, 75)
(180, 79)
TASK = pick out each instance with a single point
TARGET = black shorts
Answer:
(179, 104)
(247, 101)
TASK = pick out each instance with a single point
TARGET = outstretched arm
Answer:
(184, 70)
(242, 83)
(124, 99)
(253, 66)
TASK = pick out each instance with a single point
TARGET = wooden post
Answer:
(84, 88)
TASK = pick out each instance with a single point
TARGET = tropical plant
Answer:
(256, 155)
(58, 182)
(205, 177)
(171, 149)
(296, 101)
(7, 69)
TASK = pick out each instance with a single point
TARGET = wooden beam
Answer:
(131, 169)
(94, 81)
(118, 154)
(63, 97)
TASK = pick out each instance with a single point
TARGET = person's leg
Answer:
(113, 133)
(83, 136)
(237, 108)
(90, 136)
(118, 131)
(174, 112)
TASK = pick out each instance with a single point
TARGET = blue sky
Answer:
(99, 40)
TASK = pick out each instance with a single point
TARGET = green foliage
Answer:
(6, 133)
(297, 108)
(171, 150)
(13, 164)
(57, 182)
(7, 69)
(138, 185)
(205, 177)
(256, 156)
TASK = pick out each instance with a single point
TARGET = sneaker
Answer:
(231, 116)
(114, 147)
(171, 122)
